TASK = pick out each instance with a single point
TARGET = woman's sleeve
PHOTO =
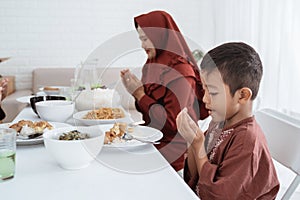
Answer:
(179, 94)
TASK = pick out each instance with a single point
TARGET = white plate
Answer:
(90, 122)
(25, 99)
(34, 140)
(141, 132)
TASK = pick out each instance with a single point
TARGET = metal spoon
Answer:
(128, 136)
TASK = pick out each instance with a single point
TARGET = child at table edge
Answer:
(231, 159)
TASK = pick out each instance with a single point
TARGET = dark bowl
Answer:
(34, 100)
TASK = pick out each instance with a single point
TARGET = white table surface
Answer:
(132, 173)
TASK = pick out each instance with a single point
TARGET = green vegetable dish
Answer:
(74, 135)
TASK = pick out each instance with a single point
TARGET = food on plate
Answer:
(105, 113)
(30, 129)
(95, 86)
(115, 134)
(51, 88)
(73, 135)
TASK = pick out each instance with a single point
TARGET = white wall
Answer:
(62, 33)
(272, 27)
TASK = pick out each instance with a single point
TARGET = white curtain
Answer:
(272, 27)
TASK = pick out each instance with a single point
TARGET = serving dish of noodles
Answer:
(102, 115)
(105, 113)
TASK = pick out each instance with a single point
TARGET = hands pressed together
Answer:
(132, 84)
(190, 131)
(186, 126)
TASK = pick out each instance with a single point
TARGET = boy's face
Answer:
(217, 98)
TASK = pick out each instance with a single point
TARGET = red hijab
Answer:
(171, 52)
(161, 29)
(171, 47)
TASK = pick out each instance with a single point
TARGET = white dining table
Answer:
(139, 172)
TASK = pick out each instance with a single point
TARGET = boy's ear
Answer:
(245, 94)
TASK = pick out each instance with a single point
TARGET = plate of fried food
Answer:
(31, 132)
(114, 135)
(104, 115)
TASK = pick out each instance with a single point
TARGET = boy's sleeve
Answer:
(246, 172)
(189, 179)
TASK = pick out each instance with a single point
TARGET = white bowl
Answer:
(74, 154)
(56, 111)
(91, 99)
(79, 117)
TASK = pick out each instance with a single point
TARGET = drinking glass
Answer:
(7, 153)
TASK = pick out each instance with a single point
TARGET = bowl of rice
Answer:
(96, 98)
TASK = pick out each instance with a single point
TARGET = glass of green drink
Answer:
(7, 153)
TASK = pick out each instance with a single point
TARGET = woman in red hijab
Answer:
(170, 82)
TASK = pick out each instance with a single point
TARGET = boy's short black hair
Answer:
(239, 65)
